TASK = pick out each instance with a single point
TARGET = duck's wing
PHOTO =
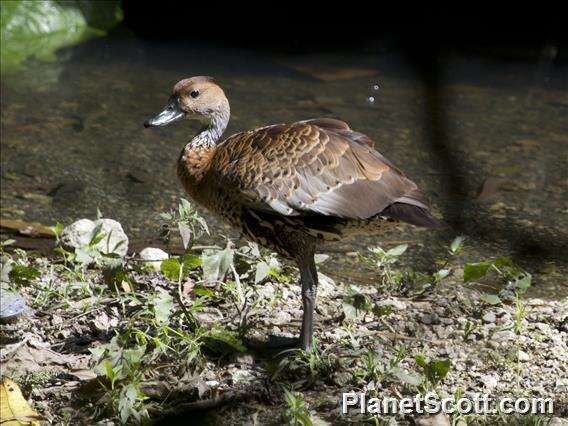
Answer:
(312, 167)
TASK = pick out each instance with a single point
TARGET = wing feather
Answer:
(313, 167)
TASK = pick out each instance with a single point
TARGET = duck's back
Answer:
(312, 167)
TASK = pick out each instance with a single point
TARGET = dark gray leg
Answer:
(309, 282)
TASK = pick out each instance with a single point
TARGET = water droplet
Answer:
(371, 100)
(376, 87)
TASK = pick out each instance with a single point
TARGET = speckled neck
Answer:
(209, 136)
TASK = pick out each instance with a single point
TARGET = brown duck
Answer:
(289, 187)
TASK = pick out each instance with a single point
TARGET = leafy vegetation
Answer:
(161, 338)
(39, 28)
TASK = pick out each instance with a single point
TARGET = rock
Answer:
(505, 335)
(437, 420)
(561, 386)
(489, 318)
(244, 358)
(523, 356)
(242, 377)
(558, 421)
(490, 382)
(80, 234)
(153, 257)
(281, 318)
(12, 306)
(396, 304)
(430, 319)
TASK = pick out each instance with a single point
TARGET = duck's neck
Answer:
(212, 133)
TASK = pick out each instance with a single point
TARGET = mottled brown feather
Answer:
(312, 167)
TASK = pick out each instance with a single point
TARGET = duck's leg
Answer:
(309, 282)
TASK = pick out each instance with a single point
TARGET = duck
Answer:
(289, 187)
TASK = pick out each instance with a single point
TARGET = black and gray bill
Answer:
(171, 113)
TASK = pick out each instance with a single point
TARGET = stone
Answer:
(561, 386)
(430, 319)
(489, 318)
(490, 382)
(395, 303)
(437, 420)
(281, 318)
(80, 234)
(153, 257)
(12, 306)
(523, 356)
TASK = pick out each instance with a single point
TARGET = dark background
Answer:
(515, 33)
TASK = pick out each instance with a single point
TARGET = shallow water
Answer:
(488, 144)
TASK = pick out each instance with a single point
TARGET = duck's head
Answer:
(194, 98)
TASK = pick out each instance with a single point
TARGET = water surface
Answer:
(488, 142)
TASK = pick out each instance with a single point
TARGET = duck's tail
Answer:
(412, 214)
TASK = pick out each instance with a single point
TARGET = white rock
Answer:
(153, 257)
(395, 303)
(490, 382)
(523, 356)
(558, 421)
(115, 240)
(80, 234)
(561, 385)
(281, 318)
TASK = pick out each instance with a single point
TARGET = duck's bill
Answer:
(171, 113)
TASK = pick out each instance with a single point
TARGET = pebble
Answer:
(153, 257)
(430, 319)
(395, 303)
(80, 234)
(12, 306)
(489, 317)
(523, 356)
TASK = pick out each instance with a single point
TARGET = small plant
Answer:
(190, 224)
(434, 371)
(520, 313)
(384, 260)
(469, 328)
(297, 412)
(318, 364)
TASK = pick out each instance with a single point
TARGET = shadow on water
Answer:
(485, 138)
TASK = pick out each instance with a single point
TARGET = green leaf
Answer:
(457, 244)
(397, 251)
(185, 232)
(97, 235)
(57, 229)
(441, 274)
(190, 262)
(171, 268)
(204, 292)
(262, 269)
(408, 378)
(227, 337)
(216, 263)
(163, 305)
(350, 311)
(504, 262)
(475, 271)
(524, 282)
(39, 28)
(491, 299)
(22, 274)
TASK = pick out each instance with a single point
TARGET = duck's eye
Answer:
(194, 93)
